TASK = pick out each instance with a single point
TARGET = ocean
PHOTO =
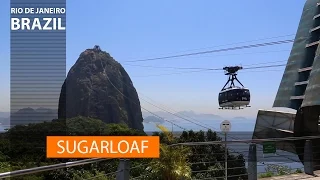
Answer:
(240, 130)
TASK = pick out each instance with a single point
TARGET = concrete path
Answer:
(295, 177)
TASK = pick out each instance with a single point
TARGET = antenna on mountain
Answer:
(96, 48)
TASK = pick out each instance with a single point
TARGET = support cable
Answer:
(216, 50)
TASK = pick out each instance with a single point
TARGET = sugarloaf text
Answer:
(37, 24)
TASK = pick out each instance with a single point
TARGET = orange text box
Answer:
(103, 147)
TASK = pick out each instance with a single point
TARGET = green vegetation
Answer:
(278, 170)
(173, 162)
(24, 147)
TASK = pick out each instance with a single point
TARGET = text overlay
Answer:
(103, 146)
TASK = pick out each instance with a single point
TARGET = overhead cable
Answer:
(222, 55)
(202, 68)
(143, 107)
(175, 114)
(216, 50)
(212, 69)
(241, 42)
(234, 43)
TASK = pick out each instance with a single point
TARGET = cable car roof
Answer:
(233, 88)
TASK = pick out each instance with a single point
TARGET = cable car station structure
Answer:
(299, 90)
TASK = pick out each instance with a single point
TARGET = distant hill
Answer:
(4, 121)
(185, 114)
(29, 115)
(4, 118)
(200, 116)
(4, 114)
(159, 113)
(154, 119)
(239, 118)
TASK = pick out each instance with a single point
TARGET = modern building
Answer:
(299, 90)
(300, 85)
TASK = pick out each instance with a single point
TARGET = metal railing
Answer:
(49, 168)
(252, 159)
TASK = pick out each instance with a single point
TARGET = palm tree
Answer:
(173, 163)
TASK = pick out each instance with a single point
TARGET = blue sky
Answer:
(131, 30)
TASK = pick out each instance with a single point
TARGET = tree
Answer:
(24, 146)
(172, 164)
(208, 160)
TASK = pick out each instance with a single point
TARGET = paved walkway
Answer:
(295, 177)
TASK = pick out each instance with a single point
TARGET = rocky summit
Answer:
(97, 86)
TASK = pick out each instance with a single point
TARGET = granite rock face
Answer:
(97, 86)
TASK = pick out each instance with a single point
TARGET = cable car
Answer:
(233, 97)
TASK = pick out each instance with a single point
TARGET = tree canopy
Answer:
(24, 147)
